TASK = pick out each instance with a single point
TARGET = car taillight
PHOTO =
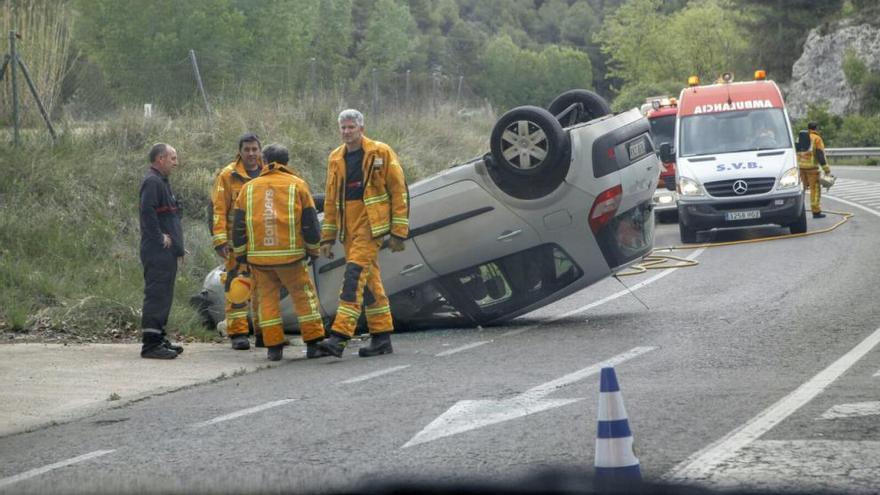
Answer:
(605, 207)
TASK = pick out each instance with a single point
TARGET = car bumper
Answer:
(780, 210)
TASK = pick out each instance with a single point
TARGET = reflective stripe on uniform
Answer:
(269, 323)
(400, 221)
(376, 199)
(291, 199)
(378, 311)
(348, 311)
(249, 217)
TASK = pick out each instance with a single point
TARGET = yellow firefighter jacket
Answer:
(227, 185)
(275, 221)
(386, 197)
(815, 156)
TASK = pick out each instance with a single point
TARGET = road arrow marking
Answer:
(469, 415)
(853, 410)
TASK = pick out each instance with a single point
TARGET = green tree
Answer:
(632, 40)
(142, 46)
(778, 28)
(388, 44)
(706, 38)
(514, 76)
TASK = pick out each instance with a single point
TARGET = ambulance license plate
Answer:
(742, 215)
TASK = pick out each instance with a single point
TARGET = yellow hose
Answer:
(654, 261)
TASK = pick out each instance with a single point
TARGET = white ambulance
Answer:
(735, 158)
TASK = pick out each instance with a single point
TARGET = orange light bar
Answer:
(694, 81)
(760, 75)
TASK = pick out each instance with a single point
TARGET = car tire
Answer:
(688, 235)
(528, 141)
(592, 106)
(530, 153)
(800, 225)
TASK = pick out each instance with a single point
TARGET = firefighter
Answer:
(228, 184)
(276, 232)
(809, 162)
(161, 250)
(366, 200)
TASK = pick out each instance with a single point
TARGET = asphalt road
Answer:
(759, 367)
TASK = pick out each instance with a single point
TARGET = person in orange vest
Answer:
(366, 200)
(228, 184)
(809, 162)
(276, 233)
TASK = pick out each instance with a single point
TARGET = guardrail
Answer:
(829, 152)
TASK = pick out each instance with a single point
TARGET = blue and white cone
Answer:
(615, 463)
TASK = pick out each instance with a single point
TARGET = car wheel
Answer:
(688, 235)
(800, 225)
(528, 141)
(588, 106)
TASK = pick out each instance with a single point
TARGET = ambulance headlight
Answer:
(790, 179)
(689, 187)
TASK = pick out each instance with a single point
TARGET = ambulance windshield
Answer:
(662, 129)
(729, 132)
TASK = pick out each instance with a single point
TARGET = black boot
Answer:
(275, 352)
(380, 343)
(313, 351)
(333, 345)
(819, 215)
(241, 342)
(157, 350)
(174, 347)
(258, 340)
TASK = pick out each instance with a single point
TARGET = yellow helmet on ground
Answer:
(240, 288)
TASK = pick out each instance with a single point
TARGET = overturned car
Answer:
(562, 201)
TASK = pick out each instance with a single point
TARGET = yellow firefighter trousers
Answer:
(361, 270)
(236, 314)
(810, 179)
(296, 279)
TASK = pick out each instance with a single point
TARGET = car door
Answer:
(400, 271)
(461, 225)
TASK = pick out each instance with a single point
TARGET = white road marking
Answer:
(45, 469)
(699, 465)
(852, 410)
(877, 374)
(243, 412)
(469, 415)
(376, 373)
(463, 348)
(854, 205)
(603, 300)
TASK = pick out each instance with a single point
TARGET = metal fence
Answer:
(849, 152)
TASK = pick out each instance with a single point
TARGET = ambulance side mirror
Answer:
(667, 153)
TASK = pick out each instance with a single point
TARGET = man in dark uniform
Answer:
(161, 248)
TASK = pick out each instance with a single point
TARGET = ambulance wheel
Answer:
(800, 225)
(688, 235)
(589, 106)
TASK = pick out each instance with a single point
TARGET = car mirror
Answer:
(667, 153)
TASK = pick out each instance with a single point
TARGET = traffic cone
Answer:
(615, 463)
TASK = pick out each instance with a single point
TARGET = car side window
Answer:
(506, 284)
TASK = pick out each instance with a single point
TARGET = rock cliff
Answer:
(817, 75)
